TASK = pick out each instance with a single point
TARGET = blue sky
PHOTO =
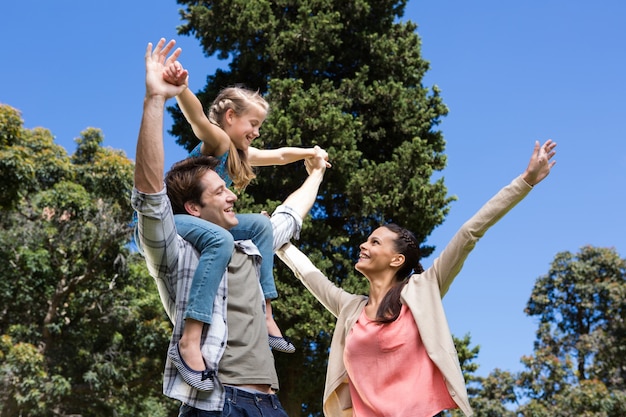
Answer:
(510, 72)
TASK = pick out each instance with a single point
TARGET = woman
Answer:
(392, 353)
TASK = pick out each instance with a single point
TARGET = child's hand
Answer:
(175, 74)
(317, 162)
(321, 153)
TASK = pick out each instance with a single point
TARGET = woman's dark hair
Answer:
(407, 245)
(183, 183)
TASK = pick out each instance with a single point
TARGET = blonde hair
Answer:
(239, 99)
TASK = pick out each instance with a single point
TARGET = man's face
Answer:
(218, 202)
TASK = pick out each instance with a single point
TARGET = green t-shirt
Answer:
(248, 358)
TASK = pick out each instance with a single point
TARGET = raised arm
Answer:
(304, 197)
(332, 297)
(150, 159)
(284, 155)
(214, 139)
(449, 263)
(287, 219)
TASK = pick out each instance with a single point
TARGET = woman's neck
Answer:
(379, 287)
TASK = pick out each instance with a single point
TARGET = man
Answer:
(237, 353)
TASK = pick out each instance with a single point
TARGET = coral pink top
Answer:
(390, 372)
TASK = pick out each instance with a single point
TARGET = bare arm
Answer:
(214, 139)
(304, 197)
(283, 156)
(150, 159)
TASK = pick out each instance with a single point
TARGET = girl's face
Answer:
(378, 253)
(243, 129)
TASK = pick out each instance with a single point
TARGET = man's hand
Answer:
(317, 162)
(150, 155)
(156, 62)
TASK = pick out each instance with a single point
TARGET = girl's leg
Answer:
(215, 245)
(258, 228)
(189, 345)
(276, 339)
(272, 327)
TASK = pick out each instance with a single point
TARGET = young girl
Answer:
(232, 123)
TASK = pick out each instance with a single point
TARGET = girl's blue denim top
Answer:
(220, 168)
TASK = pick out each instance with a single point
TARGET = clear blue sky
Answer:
(510, 73)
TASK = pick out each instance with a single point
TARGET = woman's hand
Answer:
(540, 162)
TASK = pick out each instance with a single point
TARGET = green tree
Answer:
(489, 396)
(583, 299)
(348, 76)
(81, 326)
(493, 395)
(579, 362)
(589, 398)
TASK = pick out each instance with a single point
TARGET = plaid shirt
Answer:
(171, 262)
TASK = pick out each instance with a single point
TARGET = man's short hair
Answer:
(183, 183)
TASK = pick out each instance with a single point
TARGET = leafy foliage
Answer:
(582, 300)
(580, 359)
(578, 362)
(81, 326)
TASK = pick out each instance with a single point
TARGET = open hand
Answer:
(540, 162)
(156, 61)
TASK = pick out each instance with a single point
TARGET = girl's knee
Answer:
(225, 241)
(258, 221)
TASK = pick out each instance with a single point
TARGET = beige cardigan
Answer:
(422, 295)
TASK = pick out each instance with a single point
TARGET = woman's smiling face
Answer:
(377, 252)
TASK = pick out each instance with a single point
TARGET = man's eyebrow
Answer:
(217, 189)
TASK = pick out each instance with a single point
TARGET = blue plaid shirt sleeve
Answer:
(286, 224)
(171, 262)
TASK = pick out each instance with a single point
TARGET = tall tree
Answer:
(348, 76)
(583, 299)
(577, 365)
(81, 327)
(579, 361)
